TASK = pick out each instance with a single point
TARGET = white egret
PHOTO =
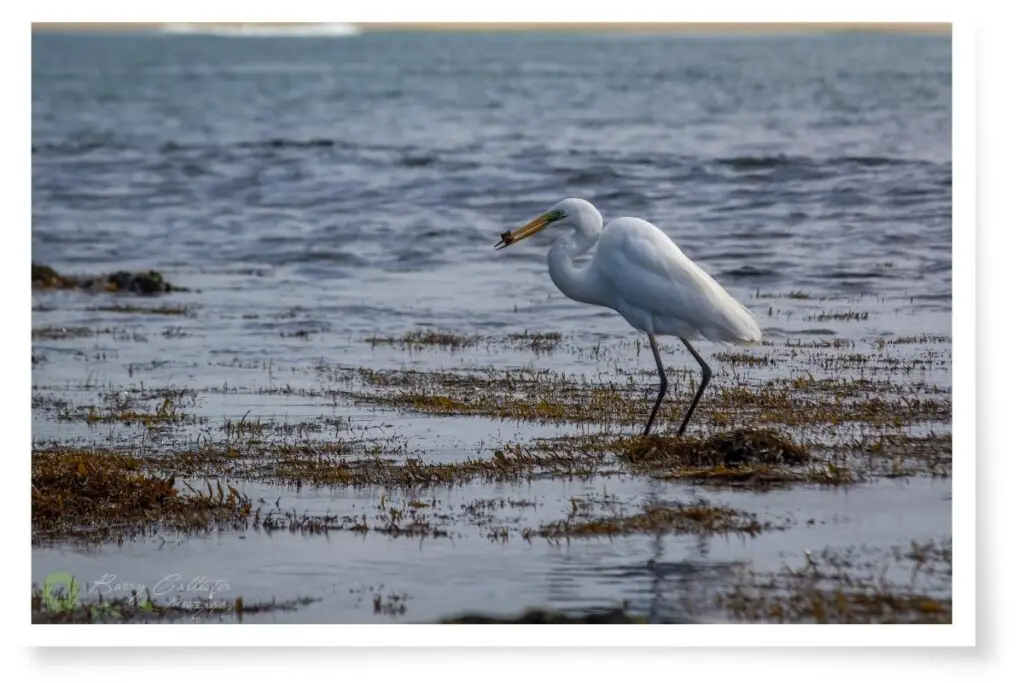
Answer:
(640, 273)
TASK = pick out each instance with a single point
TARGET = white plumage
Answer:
(638, 271)
(658, 289)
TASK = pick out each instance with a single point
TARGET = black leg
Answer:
(705, 378)
(664, 383)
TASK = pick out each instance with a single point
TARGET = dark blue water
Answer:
(802, 161)
(355, 186)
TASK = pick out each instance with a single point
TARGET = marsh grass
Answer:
(742, 458)
(813, 427)
(142, 608)
(839, 606)
(922, 339)
(735, 447)
(795, 294)
(699, 518)
(803, 404)
(57, 333)
(300, 454)
(789, 412)
(837, 315)
(831, 588)
(901, 455)
(394, 518)
(417, 340)
(760, 476)
(126, 408)
(142, 310)
(748, 458)
(317, 470)
(535, 341)
(95, 496)
(328, 452)
(529, 394)
(392, 604)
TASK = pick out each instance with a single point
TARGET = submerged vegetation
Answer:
(700, 518)
(144, 310)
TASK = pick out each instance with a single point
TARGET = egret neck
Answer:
(579, 284)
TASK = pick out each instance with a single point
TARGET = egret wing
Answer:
(647, 271)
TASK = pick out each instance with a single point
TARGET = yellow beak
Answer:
(532, 228)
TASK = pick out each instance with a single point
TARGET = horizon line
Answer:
(471, 26)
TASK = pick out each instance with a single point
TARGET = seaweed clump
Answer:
(149, 282)
(77, 494)
(146, 282)
(45, 277)
(617, 615)
(740, 458)
(733, 448)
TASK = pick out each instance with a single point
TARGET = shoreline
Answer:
(602, 27)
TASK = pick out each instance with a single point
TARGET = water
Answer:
(347, 187)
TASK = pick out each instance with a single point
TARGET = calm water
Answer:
(355, 186)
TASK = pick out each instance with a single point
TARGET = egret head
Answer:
(564, 212)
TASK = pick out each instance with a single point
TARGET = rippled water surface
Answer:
(316, 192)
